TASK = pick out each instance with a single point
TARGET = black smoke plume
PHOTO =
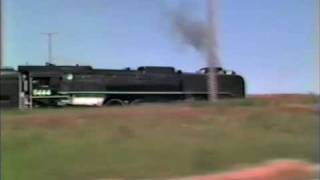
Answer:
(192, 31)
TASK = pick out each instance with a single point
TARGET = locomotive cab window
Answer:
(41, 81)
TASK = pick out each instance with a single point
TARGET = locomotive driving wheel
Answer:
(115, 102)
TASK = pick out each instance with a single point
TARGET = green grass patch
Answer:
(157, 141)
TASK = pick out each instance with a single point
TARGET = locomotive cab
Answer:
(10, 85)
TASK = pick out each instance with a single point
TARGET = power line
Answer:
(50, 34)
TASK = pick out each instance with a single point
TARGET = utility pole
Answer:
(1, 61)
(49, 34)
(212, 56)
(1, 33)
(317, 88)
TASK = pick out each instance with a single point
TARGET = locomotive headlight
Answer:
(69, 77)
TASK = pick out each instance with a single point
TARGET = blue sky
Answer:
(270, 42)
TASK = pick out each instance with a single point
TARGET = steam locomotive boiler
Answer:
(51, 85)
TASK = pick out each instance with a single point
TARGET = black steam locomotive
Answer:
(51, 85)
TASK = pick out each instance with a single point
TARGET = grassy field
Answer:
(156, 141)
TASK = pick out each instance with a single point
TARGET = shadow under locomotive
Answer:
(51, 85)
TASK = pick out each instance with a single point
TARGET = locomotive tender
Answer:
(51, 85)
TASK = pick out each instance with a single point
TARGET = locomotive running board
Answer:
(129, 92)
